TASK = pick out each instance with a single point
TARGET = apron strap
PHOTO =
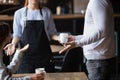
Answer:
(41, 12)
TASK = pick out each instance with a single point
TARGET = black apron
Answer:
(39, 53)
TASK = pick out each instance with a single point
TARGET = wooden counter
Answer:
(60, 76)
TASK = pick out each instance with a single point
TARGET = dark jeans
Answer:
(101, 69)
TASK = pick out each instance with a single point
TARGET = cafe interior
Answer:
(68, 16)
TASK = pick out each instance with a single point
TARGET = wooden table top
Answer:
(56, 48)
(60, 76)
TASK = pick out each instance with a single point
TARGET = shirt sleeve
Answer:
(14, 64)
(17, 78)
(22, 78)
(17, 27)
(51, 25)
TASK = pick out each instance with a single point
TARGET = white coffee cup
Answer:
(40, 70)
(63, 37)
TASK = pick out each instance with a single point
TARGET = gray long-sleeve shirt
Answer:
(98, 37)
(7, 71)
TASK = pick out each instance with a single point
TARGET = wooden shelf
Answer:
(66, 16)
(6, 18)
(9, 3)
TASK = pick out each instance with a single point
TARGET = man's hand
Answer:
(67, 46)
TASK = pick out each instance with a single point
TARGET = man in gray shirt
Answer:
(97, 40)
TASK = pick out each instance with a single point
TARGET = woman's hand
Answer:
(10, 48)
(40, 76)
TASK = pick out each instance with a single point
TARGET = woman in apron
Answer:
(33, 24)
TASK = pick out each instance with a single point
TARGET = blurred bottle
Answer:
(10, 1)
(4, 1)
(58, 10)
(0, 1)
(43, 2)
